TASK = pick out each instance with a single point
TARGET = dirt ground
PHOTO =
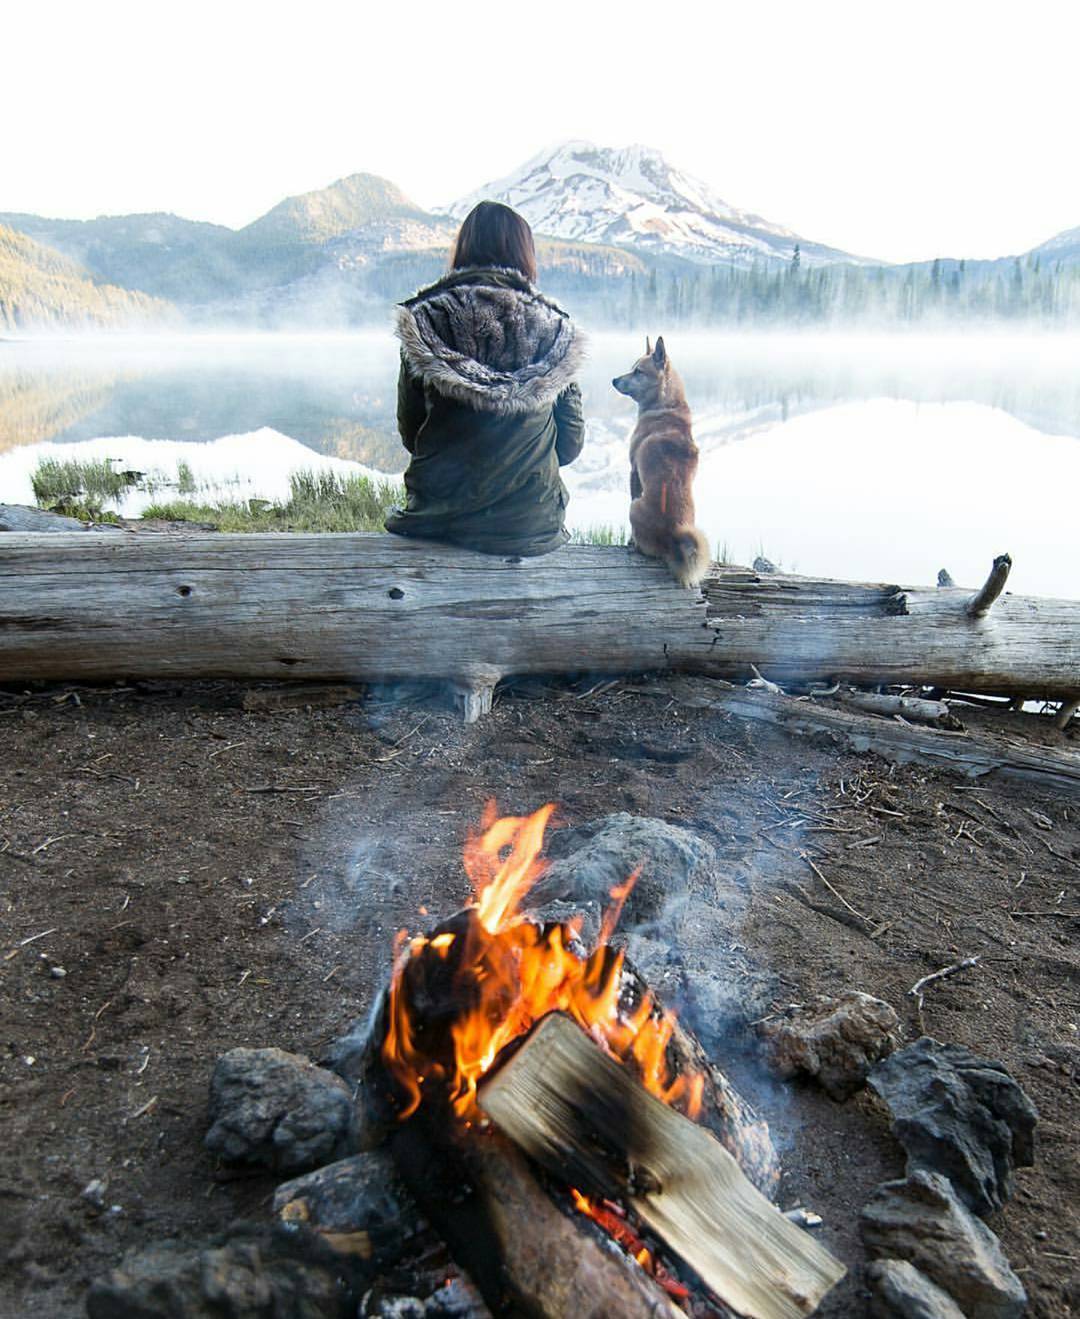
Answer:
(181, 875)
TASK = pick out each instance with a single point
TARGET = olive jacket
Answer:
(488, 408)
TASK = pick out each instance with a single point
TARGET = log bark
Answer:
(374, 607)
(585, 1119)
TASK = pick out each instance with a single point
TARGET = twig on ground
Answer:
(274, 787)
(835, 892)
(919, 988)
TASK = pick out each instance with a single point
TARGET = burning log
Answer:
(369, 607)
(475, 986)
(588, 1122)
(525, 1255)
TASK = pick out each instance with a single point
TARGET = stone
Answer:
(680, 923)
(357, 1204)
(281, 1272)
(588, 861)
(24, 517)
(20, 517)
(835, 1040)
(959, 1114)
(900, 1291)
(922, 1220)
(279, 1110)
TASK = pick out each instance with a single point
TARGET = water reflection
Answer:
(866, 456)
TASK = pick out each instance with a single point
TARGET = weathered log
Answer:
(376, 608)
(528, 1258)
(962, 753)
(588, 1122)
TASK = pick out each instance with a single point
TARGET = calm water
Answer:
(872, 457)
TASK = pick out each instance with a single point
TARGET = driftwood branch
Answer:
(980, 603)
(373, 608)
(585, 1119)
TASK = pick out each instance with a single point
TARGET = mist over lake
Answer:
(871, 456)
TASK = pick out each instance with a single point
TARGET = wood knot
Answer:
(396, 593)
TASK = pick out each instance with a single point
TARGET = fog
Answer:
(876, 456)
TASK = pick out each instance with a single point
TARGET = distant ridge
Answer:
(40, 287)
(343, 207)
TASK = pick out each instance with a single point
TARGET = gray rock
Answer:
(363, 1194)
(900, 1291)
(959, 1114)
(283, 1273)
(21, 517)
(922, 1220)
(589, 861)
(278, 1109)
(835, 1040)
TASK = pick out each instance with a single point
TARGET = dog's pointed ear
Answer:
(648, 346)
(660, 353)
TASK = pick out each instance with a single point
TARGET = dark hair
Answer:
(494, 235)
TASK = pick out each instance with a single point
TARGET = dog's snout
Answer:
(615, 381)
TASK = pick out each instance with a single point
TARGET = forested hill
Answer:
(39, 288)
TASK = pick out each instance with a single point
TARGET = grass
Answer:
(81, 489)
(602, 534)
(318, 501)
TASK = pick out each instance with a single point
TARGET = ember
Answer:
(612, 1218)
(502, 972)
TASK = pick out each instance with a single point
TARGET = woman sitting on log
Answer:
(487, 404)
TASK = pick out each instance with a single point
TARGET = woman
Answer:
(487, 404)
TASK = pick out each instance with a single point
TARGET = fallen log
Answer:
(370, 607)
(961, 753)
(584, 1118)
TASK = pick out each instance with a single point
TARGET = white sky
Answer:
(902, 129)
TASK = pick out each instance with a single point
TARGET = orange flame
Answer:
(486, 981)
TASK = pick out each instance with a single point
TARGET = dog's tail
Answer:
(688, 557)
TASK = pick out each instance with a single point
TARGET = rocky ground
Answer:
(186, 869)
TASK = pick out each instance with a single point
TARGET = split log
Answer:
(375, 607)
(585, 1119)
(528, 1258)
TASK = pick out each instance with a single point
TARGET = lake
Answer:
(878, 457)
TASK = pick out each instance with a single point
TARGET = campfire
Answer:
(490, 974)
(501, 1035)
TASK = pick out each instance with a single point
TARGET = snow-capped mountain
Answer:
(633, 197)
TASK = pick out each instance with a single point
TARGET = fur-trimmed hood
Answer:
(487, 338)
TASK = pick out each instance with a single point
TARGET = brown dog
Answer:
(663, 460)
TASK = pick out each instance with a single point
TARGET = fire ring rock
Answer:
(922, 1220)
(278, 1109)
(836, 1040)
(902, 1292)
(588, 861)
(359, 1204)
(959, 1114)
(249, 1271)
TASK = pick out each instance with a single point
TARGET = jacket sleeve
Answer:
(411, 406)
(569, 425)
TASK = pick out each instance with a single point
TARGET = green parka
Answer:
(489, 411)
